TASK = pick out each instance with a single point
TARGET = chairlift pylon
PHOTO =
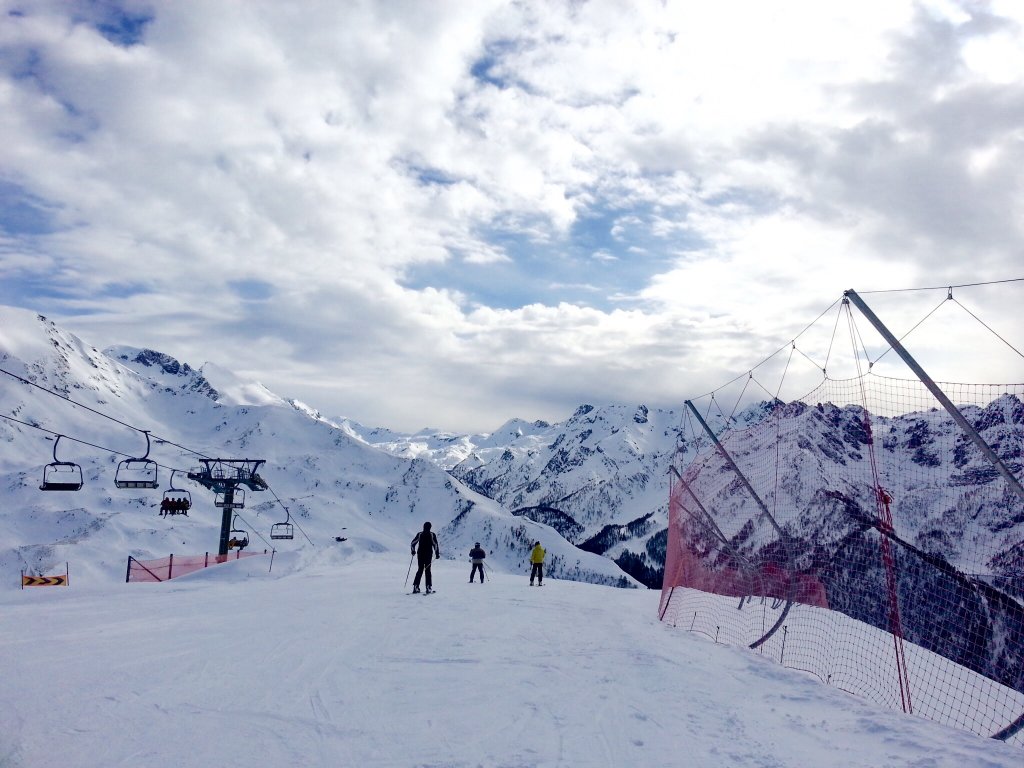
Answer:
(61, 475)
(137, 472)
(176, 501)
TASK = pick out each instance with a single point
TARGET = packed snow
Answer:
(326, 660)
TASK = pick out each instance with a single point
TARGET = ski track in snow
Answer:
(338, 666)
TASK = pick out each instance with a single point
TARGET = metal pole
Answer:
(410, 569)
(739, 474)
(951, 409)
(790, 555)
(225, 520)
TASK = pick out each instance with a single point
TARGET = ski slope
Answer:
(326, 661)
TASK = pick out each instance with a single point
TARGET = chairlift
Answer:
(176, 501)
(237, 499)
(283, 530)
(61, 475)
(137, 472)
(237, 538)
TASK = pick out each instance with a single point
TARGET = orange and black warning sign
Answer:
(44, 581)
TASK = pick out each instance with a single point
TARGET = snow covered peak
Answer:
(166, 371)
(234, 390)
(56, 359)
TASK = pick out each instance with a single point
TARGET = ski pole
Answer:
(410, 569)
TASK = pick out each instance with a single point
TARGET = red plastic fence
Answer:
(164, 568)
(883, 552)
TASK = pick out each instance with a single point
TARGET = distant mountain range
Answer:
(325, 479)
(600, 478)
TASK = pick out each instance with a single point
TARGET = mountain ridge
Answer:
(331, 484)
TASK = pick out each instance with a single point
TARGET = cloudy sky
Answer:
(451, 213)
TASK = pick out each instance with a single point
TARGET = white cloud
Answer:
(752, 160)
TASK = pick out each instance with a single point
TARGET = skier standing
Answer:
(537, 558)
(424, 544)
(477, 555)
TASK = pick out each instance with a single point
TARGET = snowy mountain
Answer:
(330, 484)
(600, 478)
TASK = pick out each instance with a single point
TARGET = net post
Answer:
(946, 403)
(736, 469)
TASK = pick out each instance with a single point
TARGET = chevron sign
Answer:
(44, 581)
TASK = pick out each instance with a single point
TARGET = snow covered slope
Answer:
(332, 665)
(332, 485)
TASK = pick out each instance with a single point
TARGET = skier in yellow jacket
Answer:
(537, 558)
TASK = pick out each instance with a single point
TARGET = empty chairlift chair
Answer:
(137, 472)
(61, 475)
(283, 530)
(237, 501)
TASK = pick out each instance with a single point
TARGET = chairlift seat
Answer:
(62, 476)
(136, 473)
(282, 531)
(237, 502)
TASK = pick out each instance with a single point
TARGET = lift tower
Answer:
(224, 477)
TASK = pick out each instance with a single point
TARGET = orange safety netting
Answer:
(861, 535)
(164, 568)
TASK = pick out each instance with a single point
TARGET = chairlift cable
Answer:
(99, 413)
(288, 512)
(79, 440)
(251, 528)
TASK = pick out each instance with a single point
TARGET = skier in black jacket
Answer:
(424, 544)
(477, 555)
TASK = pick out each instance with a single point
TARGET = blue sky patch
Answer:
(117, 24)
(252, 290)
(489, 69)
(22, 213)
(591, 267)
